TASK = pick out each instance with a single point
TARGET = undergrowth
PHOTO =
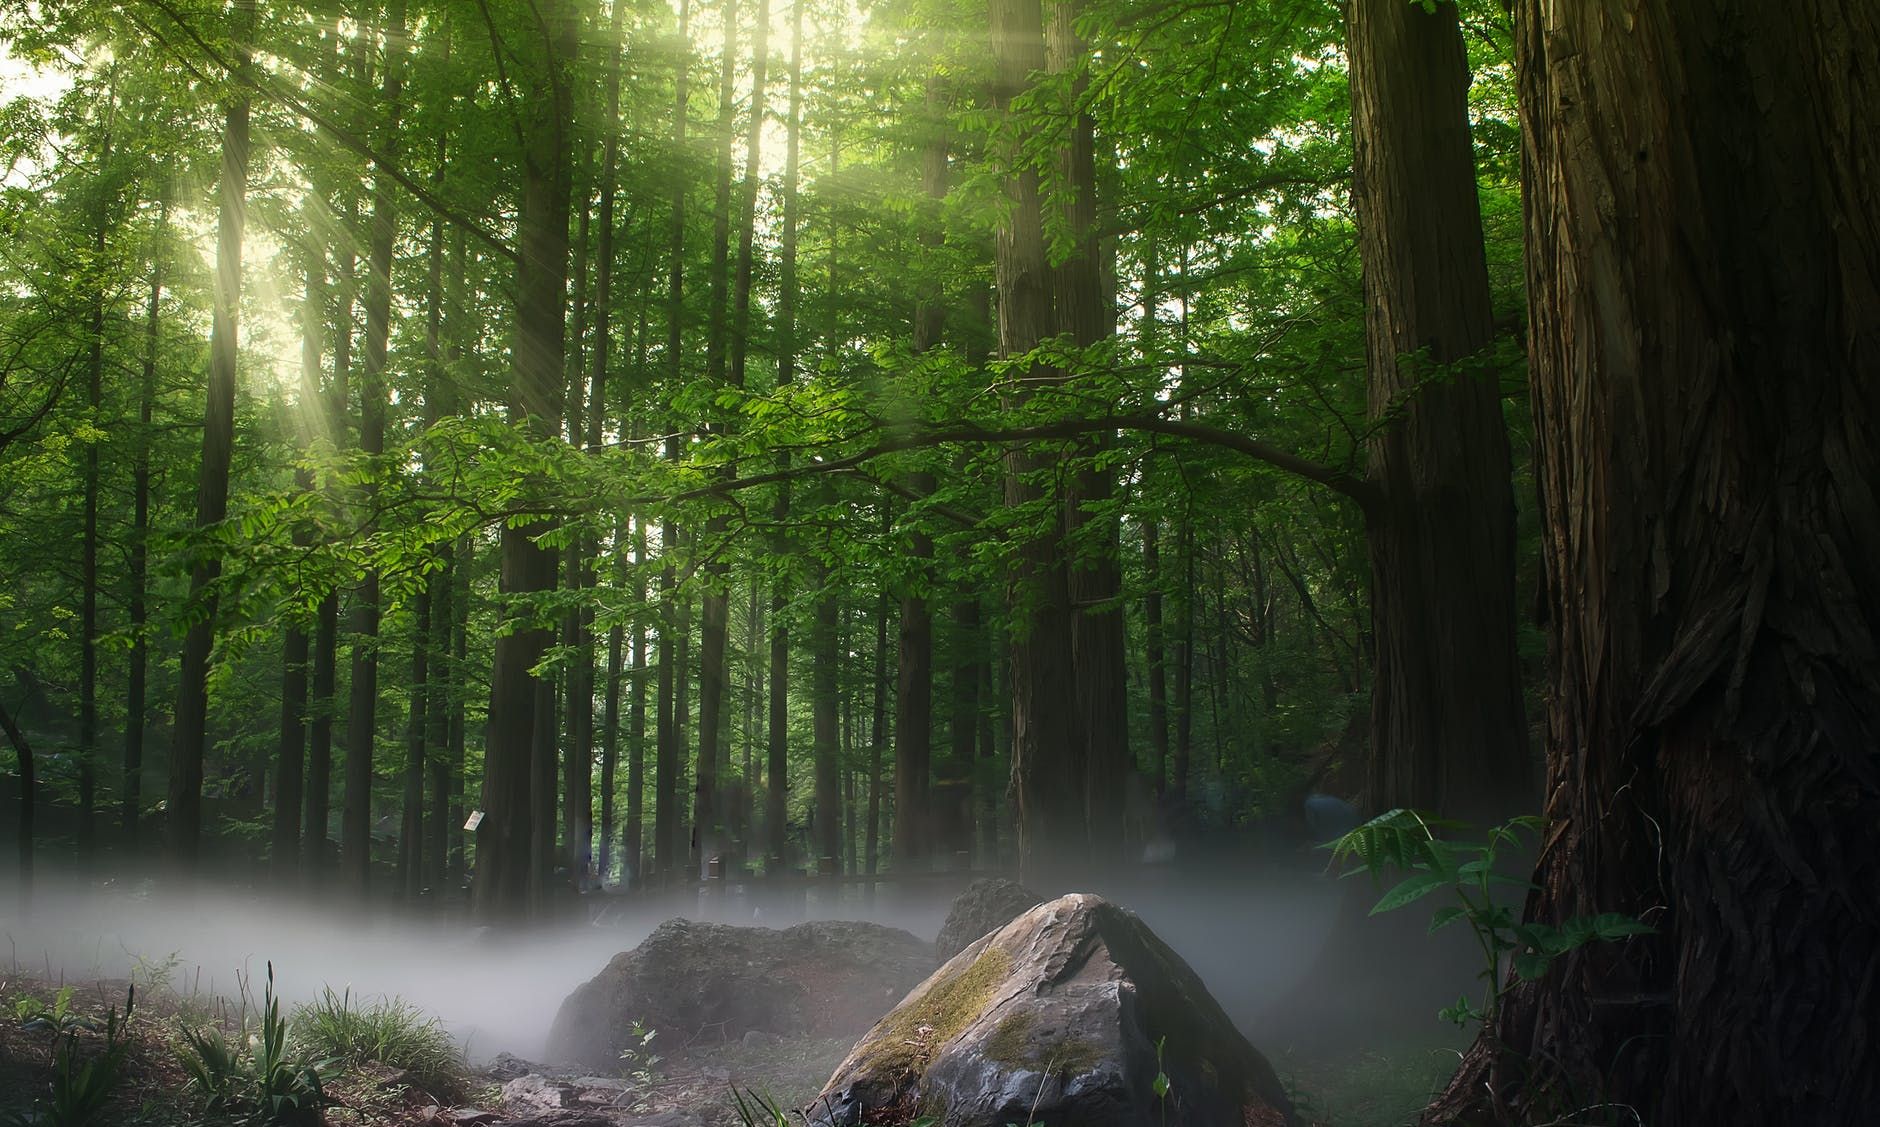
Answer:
(391, 1031)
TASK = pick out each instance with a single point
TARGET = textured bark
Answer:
(509, 854)
(1046, 736)
(184, 814)
(355, 835)
(1086, 316)
(1703, 237)
(1448, 732)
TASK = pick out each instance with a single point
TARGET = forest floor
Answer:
(1372, 1089)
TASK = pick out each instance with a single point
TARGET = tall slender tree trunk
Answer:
(411, 812)
(88, 540)
(777, 736)
(374, 397)
(520, 757)
(136, 720)
(877, 739)
(290, 764)
(667, 749)
(1157, 659)
(218, 439)
(715, 617)
(597, 413)
(633, 851)
(1702, 237)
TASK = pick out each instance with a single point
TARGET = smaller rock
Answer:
(535, 1092)
(507, 1067)
(561, 1119)
(982, 909)
(665, 1119)
(757, 1039)
(612, 1083)
(475, 1116)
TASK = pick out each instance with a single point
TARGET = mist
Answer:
(1256, 933)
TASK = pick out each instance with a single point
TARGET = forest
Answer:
(516, 468)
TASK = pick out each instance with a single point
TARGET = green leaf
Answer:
(1412, 889)
(1446, 916)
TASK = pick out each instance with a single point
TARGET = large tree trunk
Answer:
(1703, 237)
(218, 441)
(1085, 314)
(1045, 731)
(508, 880)
(1448, 733)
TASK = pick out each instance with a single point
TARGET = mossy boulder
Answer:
(1066, 1015)
(706, 984)
(982, 909)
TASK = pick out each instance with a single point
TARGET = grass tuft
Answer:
(391, 1031)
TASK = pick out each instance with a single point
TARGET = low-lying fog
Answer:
(1254, 937)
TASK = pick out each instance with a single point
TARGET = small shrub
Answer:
(1406, 841)
(391, 1031)
(263, 1082)
(80, 1088)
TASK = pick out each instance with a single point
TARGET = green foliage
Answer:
(82, 1085)
(262, 1083)
(1400, 841)
(391, 1031)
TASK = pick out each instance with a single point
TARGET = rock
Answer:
(507, 1067)
(665, 1119)
(714, 982)
(1059, 1017)
(562, 1119)
(474, 1115)
(757, 1039)
(984, 908)
(611, 1083)
(535, 1092)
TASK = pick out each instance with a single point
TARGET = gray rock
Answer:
(1057, 1018)
(982, 909)
(757, 1039)
(535, 1092)
(562, 1119)
(712, 983)
(665, 1119)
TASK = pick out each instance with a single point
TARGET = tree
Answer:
(218, 436)
(520, 760)
(1701, 264)
(1447, 728)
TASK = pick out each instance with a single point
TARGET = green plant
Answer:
(757, 1110)
(263, 1081)
(1160, 1085)
(1406, 841)
(81, 1088)
(56, 1015)
(639, 1063)
(391, 1031)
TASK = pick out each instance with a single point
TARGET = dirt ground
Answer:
(689, 1089)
